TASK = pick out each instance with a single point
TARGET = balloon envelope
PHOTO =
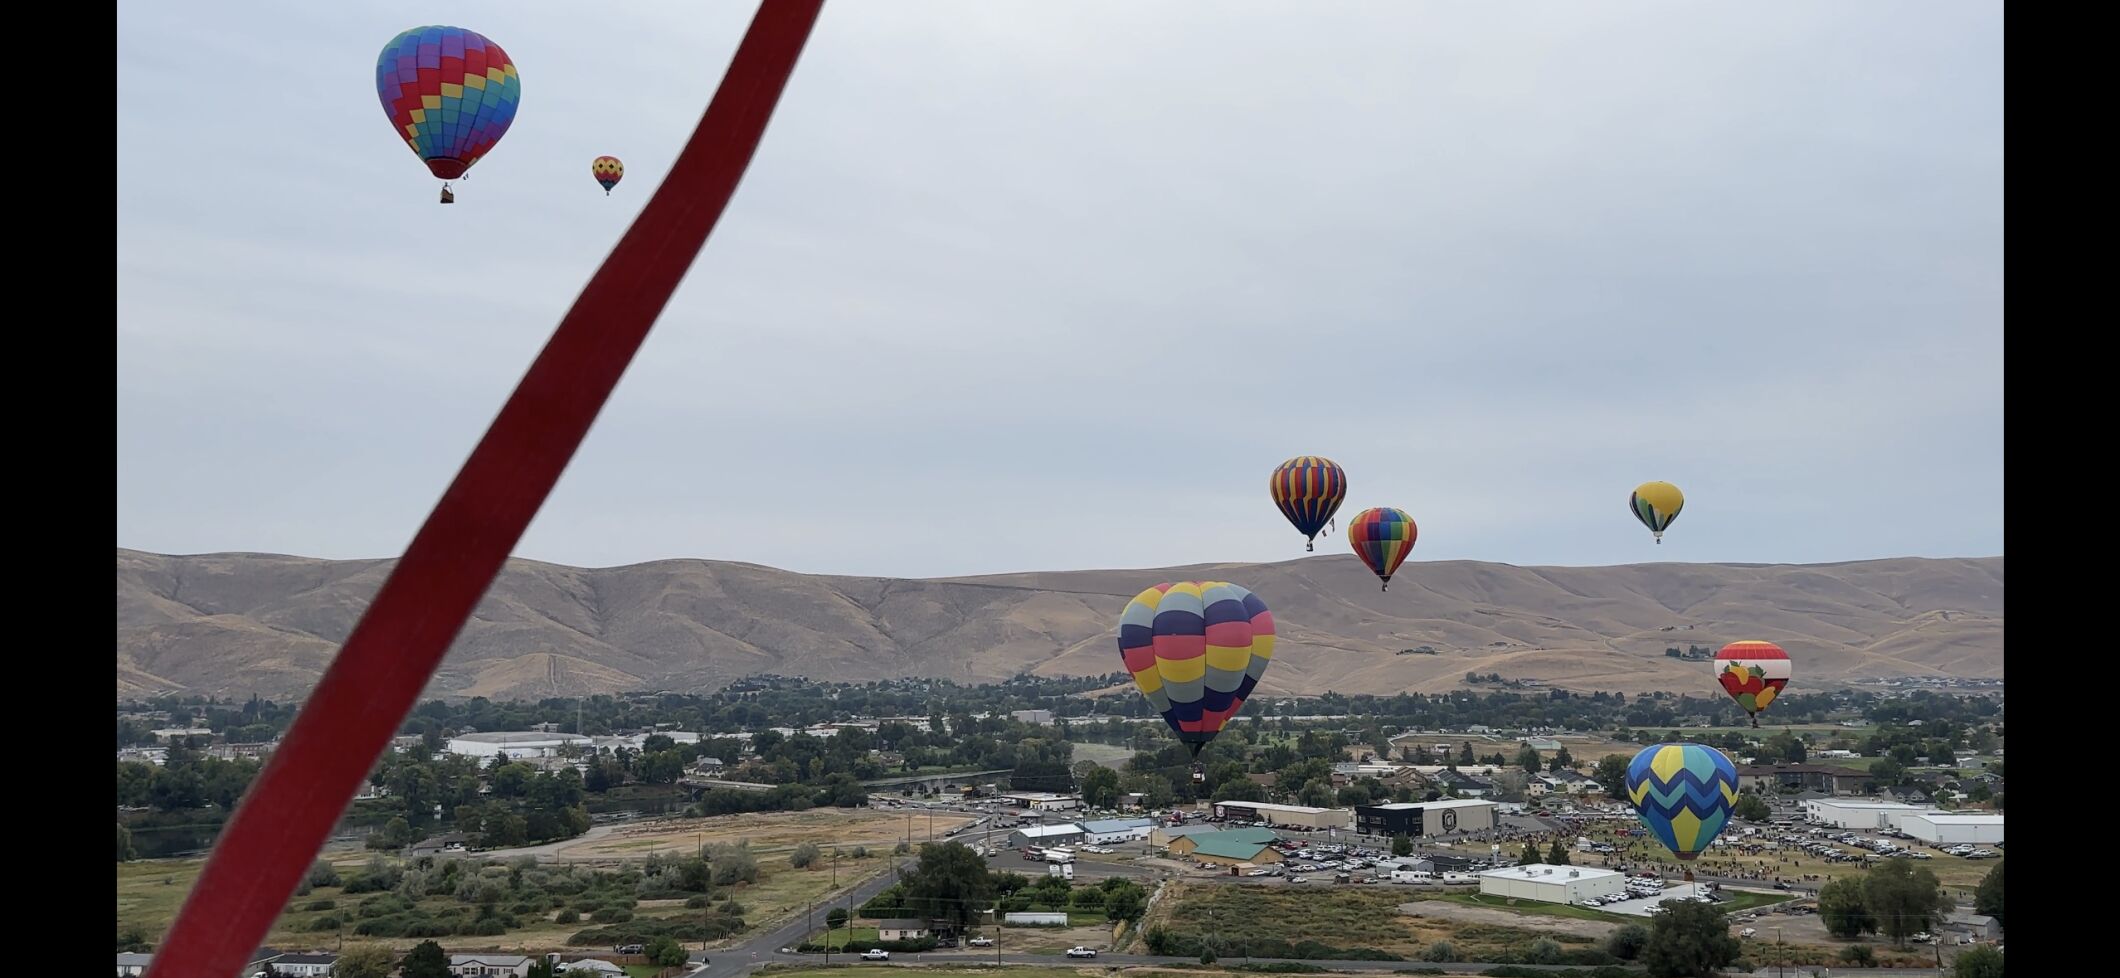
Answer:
(1382, 537)
(450, 93)
(1309, 489)
(608, 171)
(1656, 504)
(1196, 650)
(1753, 673)
(1684, 794)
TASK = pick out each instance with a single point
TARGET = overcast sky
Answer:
(1033, 285)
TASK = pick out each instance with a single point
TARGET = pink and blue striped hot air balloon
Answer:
(450, 93)
(1684, 794)
(1196, 650)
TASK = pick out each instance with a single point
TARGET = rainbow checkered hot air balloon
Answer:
(608, 171)
(1684, 793)
(1196, 649)
(1382, 537)
(450, 93)
(1308, 489)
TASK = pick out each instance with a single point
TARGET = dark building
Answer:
(1403, 818)
(1425, 819)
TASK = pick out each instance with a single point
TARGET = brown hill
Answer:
(235, 624)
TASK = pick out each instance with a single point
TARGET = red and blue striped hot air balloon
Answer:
(1382, 537)
(1308, 489)
(1196, 649)
(450, 93)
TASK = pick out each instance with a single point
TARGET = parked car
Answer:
(982, 942)
(875, 954)
(1079, 951)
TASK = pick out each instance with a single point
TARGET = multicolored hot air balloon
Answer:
(1684, 794)
(1382, 537)
(1753, 673)
(1656, 504)
(608, 171)
(450, 93)
(1309, 489)
(1196, 649)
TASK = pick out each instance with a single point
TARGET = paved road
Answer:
(1128, 960)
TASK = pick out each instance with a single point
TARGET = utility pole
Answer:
(1777, 952)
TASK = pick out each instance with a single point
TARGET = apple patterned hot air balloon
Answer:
(1196, 650)
(608, 171)
(1684, 794)
(1753, 673)
(1656, 504)
(451, 95)
(1382, 537)
(1309, 489)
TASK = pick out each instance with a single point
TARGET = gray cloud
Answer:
(1016, 286)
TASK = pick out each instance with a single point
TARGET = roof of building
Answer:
(1550, 874)
(518, 737)
(1456, 803)
(1116, 824)
(134, 959)
(1267, 806)
(1044, 831)
(1227, 848)
(318, 958)
(1892, 806)
(901, 923)
(1037, 795)
(1255, 833)
(1755, 770)
(1948, 818)
(592, 964)
(496, 960)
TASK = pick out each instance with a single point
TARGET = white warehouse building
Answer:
(515, 744)
(1861, 816)
(1944, 829)
(1111, 831)
(1552, 884)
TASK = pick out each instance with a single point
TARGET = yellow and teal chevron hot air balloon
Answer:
(1684, 793)
(1656, 504)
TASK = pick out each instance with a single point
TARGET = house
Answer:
(1464, 785)
(1910, 795)
(901, 929)
(590, 968)
(304, 965)
(1064, 834)
(489, 965)
(1770, 778)
(709, 766)
(132, 964)
(1979, 927)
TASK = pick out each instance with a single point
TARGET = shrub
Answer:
(835, 918)
(567, 916)
(321, 905)
(733, 909)
(804, 856)
(861, 852)
(696, 903)
(1543, 951)
(1859, 955)
(1441, 952)
(1627, 942)
(901, 849)
(324, 874)
(611, 915)
(326, 923)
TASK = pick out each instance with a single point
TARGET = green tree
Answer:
(949, 883)
(1464, 757)
(835, 918)
(1611, 774)
(1401, 845)
(1689, 940)
(1127, 901)
(1562, 761)
(1844, 909)
(363, 961)
(1530, 856)
(1752, 808)
(1904, 899)
(126, 852)
(666, 952)
(1627, 942)
(1529, 760)
(1979, 961)
(1557, 854)
(425, 960)
(1988, 899)
(1100, 788)
(1859, 955)
(540, 967)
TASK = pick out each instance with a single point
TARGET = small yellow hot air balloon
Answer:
(1656, 504)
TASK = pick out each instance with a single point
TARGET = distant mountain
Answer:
(236, 624)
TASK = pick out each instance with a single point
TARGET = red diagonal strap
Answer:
(372, 683)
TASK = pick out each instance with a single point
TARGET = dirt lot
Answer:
(1442, 910)
(769, 833)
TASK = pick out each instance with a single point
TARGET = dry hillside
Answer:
(234, 624)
